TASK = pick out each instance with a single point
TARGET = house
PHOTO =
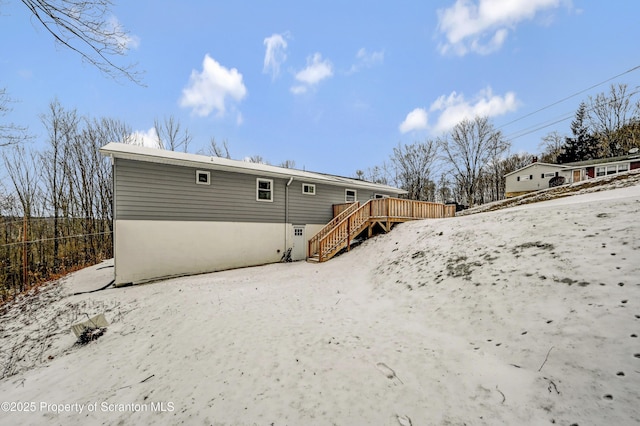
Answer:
(589, 169)
(532, 177)
(177, 214)
(536, 176)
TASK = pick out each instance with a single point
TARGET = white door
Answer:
(299, 251)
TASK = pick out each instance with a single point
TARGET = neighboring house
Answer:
(530, 178)
(589, 169)
(177, 213)
(536, 176)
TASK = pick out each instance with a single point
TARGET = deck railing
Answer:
(409, 209)
(352, 221)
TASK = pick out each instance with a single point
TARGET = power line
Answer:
(560, 119)
(55, 238)
(570, 96)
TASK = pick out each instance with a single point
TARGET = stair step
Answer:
(315, 259)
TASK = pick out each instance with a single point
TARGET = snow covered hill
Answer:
(528, 315)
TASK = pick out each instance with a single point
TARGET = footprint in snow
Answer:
(404, 420)
(388, 372)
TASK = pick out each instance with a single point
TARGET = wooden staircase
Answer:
(355, 219)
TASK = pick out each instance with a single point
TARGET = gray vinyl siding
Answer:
(318, 208)
(151, 191)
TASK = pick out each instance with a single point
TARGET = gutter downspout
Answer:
(286, 213)
(114, 209)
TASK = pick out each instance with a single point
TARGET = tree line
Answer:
(56, 202)
(467, 164)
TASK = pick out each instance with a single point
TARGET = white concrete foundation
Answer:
(149, 250)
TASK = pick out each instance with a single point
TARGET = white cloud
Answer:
(415, 120)
(275, 54)
(208, 91)
(365, 59)
(317, 70)
(482, 26)
(142, 138)
(455, 108)
(298, 90)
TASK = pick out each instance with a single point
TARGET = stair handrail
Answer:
(345, 220)
(313, 242)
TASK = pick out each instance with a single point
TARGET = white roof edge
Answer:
(537, 163)
(154, 155)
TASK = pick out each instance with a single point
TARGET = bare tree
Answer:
(468, 148)
(551, 147)
(23, 172)
(377, 174)
(87, 27)
(288, 164)
(444, 192)
(61, 126)
(10, 133)
(215, 150)
(258, 159)
(170, 136)
(413, 168)
(607, 114)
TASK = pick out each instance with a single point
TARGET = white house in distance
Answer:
(532, 177)
(537, 176)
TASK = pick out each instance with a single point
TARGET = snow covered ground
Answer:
(529, 315)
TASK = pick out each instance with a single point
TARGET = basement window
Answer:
(350, 195)
(203, 178)
(308, 189)
(264, 190)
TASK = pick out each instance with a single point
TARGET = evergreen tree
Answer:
(583, 145)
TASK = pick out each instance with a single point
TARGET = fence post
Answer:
(24, 252)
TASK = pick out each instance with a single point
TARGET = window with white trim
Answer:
(611, 170)
(308, 189)
(350, 195)
(264, 189)
(203, 178)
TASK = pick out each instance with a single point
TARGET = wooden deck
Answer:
(354, 219)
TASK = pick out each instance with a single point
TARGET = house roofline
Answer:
(561, 166)
(154, 155)
(602, 161)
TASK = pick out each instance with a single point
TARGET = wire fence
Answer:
(35, 251)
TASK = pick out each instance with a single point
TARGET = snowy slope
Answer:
(528, 315)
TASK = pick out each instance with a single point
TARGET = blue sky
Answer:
(331, 85)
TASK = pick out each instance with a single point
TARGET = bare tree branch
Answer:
(10, 133)
(88, 28)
